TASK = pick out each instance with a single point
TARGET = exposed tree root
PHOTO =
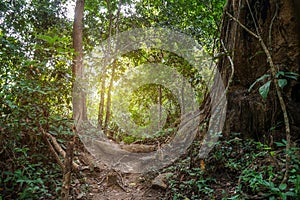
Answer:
(56, 149)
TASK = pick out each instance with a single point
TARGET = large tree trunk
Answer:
(247, 112)
(79, 97)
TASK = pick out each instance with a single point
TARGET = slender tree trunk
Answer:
(79, 97)
(103, 77)
(108, 103)
(182, 95)
(159, 107)
(102, 98)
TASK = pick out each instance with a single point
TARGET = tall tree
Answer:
(263, 39)
(112, 26)
(79, 97)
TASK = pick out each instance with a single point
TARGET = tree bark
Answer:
(67, 171)
(103, 77)
(247, 112)
(108, 103)
(79, 97)
(159, 107)
(102, 98)
(103, 82)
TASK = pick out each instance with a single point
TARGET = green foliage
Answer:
(282, 83)
(146, 97)
(252, 170)
(291, 75)
(129, 139)
(281, 77)
(35, 91)
(260, 177)
(31, 180)
(200, 19)
(160, 135)
(189, 182)
(264, 89)
(36, 78)
(267, 179)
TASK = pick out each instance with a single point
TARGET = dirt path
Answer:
(97, 182)
(133, 187)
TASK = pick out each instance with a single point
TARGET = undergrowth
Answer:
(236, 169)
(27, 168)
(29, 176)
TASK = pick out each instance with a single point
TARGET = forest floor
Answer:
(119, 187)
(235, 169)
(96, 181)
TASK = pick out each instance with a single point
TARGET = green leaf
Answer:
(282, 83)
(275, 190)
(264, 90)
(291, 75)
(257, 80)
(279, 73)
(281, 144)
(282, 186)
(272, 198)
(291, 194)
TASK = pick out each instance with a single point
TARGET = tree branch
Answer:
(231, 64)
(242, 25)
(67, 171)
(55, 147)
